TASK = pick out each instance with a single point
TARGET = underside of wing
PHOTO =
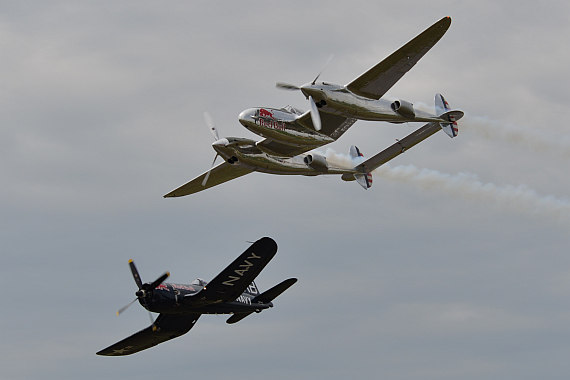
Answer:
(398, 148)
(282, 150)
(379, 79)
(233, 281)
(219, 174)
(332, 125)
(165, 327)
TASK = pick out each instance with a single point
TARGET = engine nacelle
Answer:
(317, 162)
(404, 108)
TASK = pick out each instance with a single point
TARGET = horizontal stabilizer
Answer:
(265, 297)
(274, 292)
(237, 317)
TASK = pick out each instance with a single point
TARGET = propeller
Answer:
(329, 60)
(212, 126)
(144, 290)
(292, 87)
(287, 86)
(315, 116)
(209, 171)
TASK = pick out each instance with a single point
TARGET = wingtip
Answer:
(266, 242)
(292, 280)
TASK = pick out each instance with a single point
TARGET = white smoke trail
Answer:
(468, 186)
(536, 139)
(532, 139)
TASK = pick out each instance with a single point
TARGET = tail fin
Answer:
(252, 289)
(443, 110)
(364, 179)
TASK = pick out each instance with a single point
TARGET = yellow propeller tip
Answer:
(130, 261)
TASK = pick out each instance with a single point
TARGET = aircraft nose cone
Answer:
(310, 89)
(221, 142)
(246, 115)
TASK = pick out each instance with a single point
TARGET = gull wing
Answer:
(166, 327)
(379, 79)
(232, 281)
(219, 174)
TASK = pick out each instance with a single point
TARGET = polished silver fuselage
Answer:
(246, 153)
(336, 99)
(281, 125)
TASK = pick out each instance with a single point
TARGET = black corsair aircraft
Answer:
(233, 291)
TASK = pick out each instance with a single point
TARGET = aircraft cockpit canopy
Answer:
(199, 282)
(293, 110)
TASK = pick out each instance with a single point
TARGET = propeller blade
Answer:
(126, 307)
(211, 125)
(315, 116)
(323, 69)
(135, 273)
(209, 171)
(158, 281)
(287, 86)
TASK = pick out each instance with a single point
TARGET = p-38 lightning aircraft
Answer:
(289, 133)
(233, 291)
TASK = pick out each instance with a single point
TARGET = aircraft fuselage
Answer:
(185, 299)
(244, 152)
(336, 99)
(281, 125)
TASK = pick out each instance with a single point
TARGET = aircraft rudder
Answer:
(363, 179)
(443, 110)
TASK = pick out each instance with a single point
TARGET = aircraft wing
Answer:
(219, 174)
(332, 126)
(166, 327)
(398, 148)
(232, 281)
(379, 79)
(283, 150)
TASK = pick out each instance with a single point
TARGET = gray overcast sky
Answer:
(453, 266)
